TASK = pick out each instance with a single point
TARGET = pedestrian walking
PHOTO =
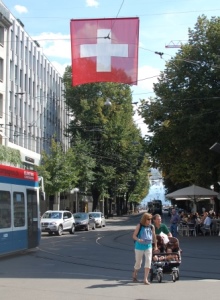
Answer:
(144, 235)
(159, 226)
(174, 220)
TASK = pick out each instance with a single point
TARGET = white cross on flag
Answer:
(104, 50)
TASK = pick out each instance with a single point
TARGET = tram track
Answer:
(198, 275)
(118, 241)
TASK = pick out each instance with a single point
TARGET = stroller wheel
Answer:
(159, 277)
(177, 275)
(151, 275)
(174, 276)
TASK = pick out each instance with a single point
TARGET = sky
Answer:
(156, 190)
(162, 22)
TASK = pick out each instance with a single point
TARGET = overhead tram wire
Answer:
(141, 15)
(156, 52)
(116, 16)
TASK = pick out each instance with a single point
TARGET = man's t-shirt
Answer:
(163, 228)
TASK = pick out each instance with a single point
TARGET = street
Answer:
(98, 265)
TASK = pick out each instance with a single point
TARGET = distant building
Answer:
(32, 108)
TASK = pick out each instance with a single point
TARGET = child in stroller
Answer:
(166, 260)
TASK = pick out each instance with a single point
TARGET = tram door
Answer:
(32, 217)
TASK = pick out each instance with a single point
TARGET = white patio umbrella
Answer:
(194, 193)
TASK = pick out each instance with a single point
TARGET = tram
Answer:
(19, 210)
(155, 207)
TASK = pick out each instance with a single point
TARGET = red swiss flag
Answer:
(104, 50)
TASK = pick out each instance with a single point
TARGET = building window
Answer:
(21, 49)
(30, 60)
(1, 69)
(21, 79)
(26, 55)
(1, 36)
(1, 105)
(16, 74)
(12, 40)
(16, 44)
(11, 70)
(25, 82)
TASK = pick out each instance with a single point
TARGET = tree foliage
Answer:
(184, 117)
(10, 155)
(59, 169)
(113, 140)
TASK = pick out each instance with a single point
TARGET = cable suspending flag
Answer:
(104, 50)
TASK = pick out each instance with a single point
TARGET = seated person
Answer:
(184, 218)
(161, 249)
(173, 244)
(157, 257)
(170, 255)
(160, 243)
(192, 218)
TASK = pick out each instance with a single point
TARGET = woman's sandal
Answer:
(135, 279)
(147, 282)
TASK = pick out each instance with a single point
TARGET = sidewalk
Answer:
(116, 218)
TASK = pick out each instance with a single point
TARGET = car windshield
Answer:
(80, 216)
(52, 215)
(94, 215)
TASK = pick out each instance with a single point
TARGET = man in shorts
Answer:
(160, 227)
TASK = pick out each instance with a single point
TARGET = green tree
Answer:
(58, 169)
(184, 116)
(84, 163)
(112, 138)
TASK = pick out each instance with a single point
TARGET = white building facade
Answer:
(32, 107)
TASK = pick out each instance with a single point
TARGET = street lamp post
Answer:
(75, 190)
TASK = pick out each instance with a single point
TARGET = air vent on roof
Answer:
(36, 42)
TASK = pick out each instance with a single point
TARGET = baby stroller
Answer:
(167, 260)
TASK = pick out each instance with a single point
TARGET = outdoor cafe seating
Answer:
(187, 229)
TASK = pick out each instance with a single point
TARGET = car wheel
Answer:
(60, 230)
(72, 230)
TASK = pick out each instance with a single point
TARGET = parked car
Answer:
(99, 218)
(57, 221)
(83, 221)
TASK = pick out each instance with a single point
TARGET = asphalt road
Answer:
(98, 265)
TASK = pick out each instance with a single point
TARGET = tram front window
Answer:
(19, 209)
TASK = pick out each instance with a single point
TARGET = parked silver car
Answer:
(83, 221)
(99, 218)
(57, 221)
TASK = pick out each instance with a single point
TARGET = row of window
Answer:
(6, 220)
(38, 114)
(14, 211)
(26, 50)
